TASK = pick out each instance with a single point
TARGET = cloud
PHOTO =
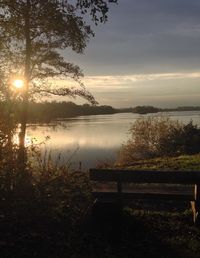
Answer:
(123, 81)
(159, 89)
(164, 90)
(156, 36)
(147, 53)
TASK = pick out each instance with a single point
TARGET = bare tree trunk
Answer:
(22, 134)
(8, 148)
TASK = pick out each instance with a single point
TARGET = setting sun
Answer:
(18, 83)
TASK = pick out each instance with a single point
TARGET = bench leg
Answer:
(196, 205)
(195, 212)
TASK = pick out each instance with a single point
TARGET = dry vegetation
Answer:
(159, 137)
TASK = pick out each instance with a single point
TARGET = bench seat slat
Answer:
(139, 176)
(140, 195)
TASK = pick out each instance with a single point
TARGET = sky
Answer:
(148, 53)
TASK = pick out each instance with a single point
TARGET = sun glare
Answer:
(18, 83)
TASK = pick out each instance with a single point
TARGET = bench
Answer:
(105, 192)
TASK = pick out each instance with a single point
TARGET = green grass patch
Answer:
(184, 162)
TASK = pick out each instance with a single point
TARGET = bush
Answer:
(41, 209)
(42, 203)
(41, 187)
(157, 137)
(44, 189)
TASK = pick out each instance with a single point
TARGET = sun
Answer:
(18, 83)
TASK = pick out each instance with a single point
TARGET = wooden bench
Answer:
(104, 192)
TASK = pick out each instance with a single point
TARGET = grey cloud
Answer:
(161, 93)
(145, 36)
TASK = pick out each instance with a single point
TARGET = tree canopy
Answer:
(34, 33)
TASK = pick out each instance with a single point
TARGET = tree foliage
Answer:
(34, 33)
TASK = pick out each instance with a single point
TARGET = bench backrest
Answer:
(145, 176)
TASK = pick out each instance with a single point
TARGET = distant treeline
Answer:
(151, 109)
(49, 111)
(145, 109)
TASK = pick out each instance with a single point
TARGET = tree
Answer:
(34, 33)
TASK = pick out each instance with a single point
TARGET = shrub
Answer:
(42, 187)
(157, 137)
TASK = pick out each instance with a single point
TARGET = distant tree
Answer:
(33, 34)
(145, 109)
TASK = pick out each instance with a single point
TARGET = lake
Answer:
(93, 139)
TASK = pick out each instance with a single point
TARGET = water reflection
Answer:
(96, 138)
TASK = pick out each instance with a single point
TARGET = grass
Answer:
(136, 234)
(185, 162)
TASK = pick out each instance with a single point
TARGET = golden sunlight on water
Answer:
(29, 139)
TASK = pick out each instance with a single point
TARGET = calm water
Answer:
(93, 139)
